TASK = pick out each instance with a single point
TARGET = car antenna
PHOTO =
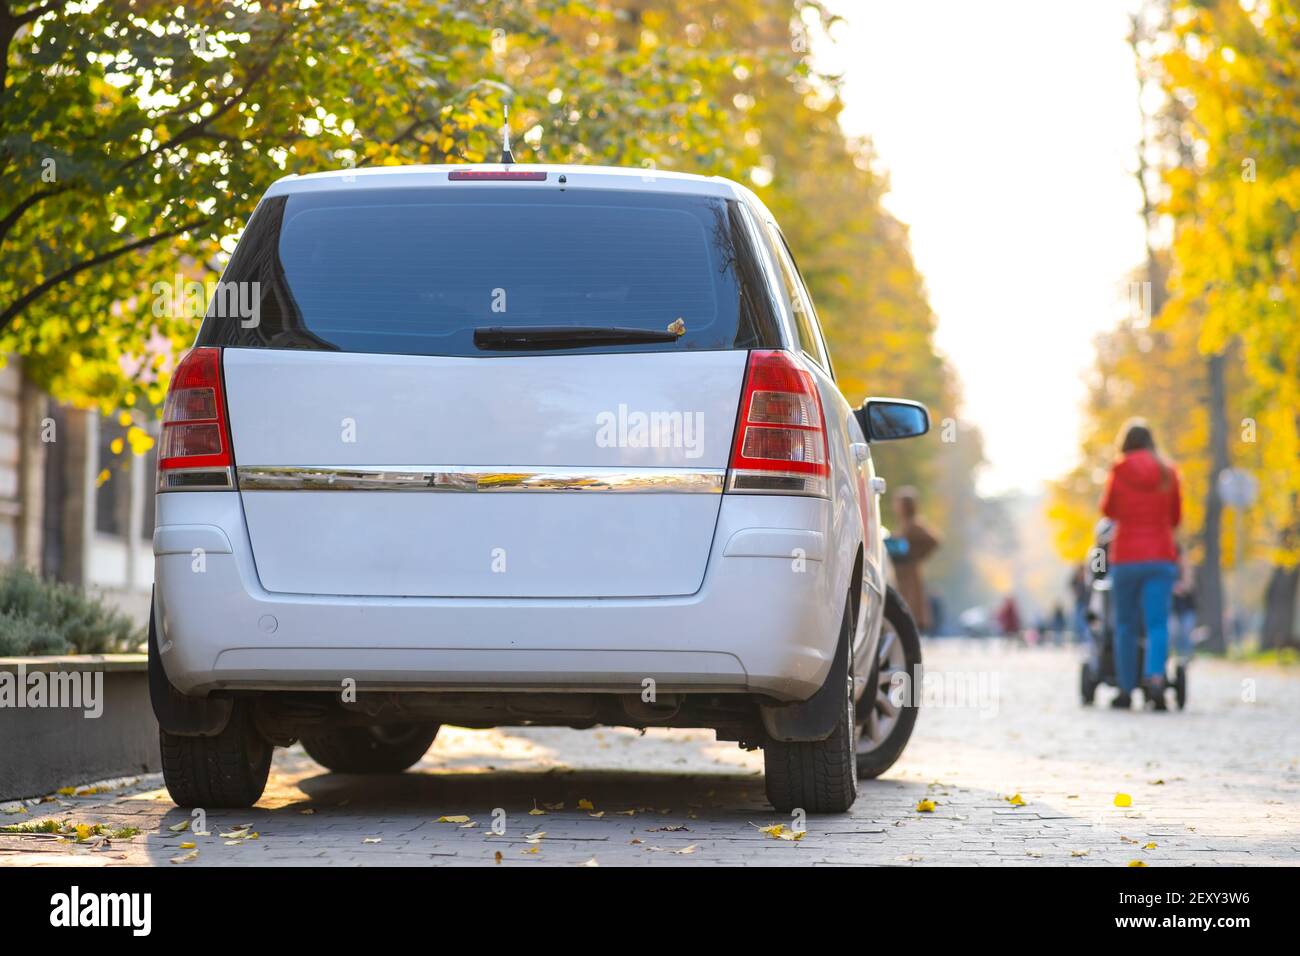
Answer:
(507, 157)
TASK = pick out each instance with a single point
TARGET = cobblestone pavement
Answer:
(1216, 784)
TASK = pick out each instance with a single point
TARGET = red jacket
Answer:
(1143, 498)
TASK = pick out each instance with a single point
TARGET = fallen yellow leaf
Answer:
(1136, 863)
(534, 812)
(585, 804)
(192, 855)
(1149, 846)
(1078, 853)
(597, 815)
(372, 840)
(926, 806)
(1123, 800)
(187, 845)
(457, 818)
(591, 862)
(1016, 800)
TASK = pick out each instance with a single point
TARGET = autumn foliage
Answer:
(137, 137)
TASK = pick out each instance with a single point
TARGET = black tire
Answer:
(225, 771)
(817, 776)
(1087, 685)
(1180, 686)
(384, 748)
(875, 757)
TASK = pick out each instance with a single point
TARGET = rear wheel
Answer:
(817, 776)
(228, 770)
(886, 726)
(1180, 686)
(385, 748)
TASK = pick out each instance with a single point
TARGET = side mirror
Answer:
(887, 419)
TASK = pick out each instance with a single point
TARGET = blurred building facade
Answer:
(70, 507)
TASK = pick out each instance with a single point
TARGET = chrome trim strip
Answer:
(472, 479)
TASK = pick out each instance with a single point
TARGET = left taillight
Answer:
(194, 451)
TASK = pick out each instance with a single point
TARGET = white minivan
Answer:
(519, 445)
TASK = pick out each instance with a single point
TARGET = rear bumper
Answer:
(764, 621)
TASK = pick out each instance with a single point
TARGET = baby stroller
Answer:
(1099, 668)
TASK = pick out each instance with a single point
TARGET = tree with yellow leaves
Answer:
(1218, 370)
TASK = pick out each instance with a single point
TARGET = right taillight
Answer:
(780, 445)
(194, 450)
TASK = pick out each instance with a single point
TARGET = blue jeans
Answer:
(1143, 595)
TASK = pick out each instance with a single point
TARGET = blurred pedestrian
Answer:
(921, 543)
(1008, 617)
(1143, 498)
(1082, 593)
(1184, 607)
(1058, 624)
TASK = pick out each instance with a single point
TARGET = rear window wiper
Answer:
(565, 336)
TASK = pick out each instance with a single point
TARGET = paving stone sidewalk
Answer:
(1216, 784)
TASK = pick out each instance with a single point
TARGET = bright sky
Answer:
(1007, 130)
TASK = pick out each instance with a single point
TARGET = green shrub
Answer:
(46, 617)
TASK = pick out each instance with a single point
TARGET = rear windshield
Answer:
(416, 271)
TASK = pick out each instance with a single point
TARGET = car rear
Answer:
(491, 433)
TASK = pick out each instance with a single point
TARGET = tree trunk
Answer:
(1279, 607)
(1210, 586)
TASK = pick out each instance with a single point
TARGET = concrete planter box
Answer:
(73, 720)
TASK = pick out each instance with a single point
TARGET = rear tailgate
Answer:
(432, 476)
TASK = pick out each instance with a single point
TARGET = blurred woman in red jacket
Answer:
(1142, 497)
